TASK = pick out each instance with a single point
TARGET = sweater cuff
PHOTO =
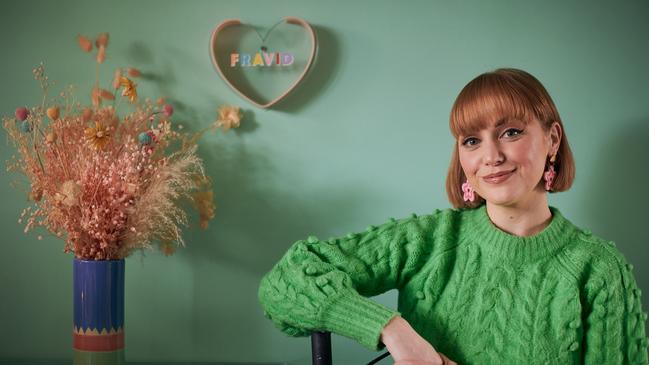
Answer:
(358, 318)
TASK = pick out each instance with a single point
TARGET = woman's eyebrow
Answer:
(502, 121)
(507, 120)
(498, 123)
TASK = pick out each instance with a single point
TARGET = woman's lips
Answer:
(499, 178)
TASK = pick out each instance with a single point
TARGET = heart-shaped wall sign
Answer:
(238, 67)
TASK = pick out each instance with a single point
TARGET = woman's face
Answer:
(516, 151)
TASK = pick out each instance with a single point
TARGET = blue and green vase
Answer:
(98, 333)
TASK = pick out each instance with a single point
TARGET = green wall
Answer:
(364, 138)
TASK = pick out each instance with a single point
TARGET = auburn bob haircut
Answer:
(504, 93)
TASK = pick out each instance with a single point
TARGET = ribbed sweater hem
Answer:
(359, 318)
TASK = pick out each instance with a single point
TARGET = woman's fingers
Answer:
(417, 362)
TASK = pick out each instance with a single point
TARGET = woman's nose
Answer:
(492, 155)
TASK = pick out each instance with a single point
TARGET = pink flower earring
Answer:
(549, 174)
(469, 193)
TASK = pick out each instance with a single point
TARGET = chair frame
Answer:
(321, 349)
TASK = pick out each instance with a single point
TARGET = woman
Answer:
(501, 279)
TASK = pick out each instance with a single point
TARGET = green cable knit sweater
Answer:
(476, 293)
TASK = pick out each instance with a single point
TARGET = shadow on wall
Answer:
(259, 213)
(258, 217)
(616, 198)
(319, 78)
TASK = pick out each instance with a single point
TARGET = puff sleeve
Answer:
(615, 322)
(324, 285)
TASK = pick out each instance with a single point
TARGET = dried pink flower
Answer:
(22, 113)
(96, 186)
(36, 194)
(168, 110)
(69, 193)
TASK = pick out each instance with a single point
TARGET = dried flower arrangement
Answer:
(110, 184)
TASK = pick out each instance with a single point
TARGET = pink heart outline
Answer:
(290, 20)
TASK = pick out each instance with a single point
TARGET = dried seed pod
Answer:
(102, 40)
(86, 115)
(117, 76)
(105, 94)
(53, 112)
(50, 137)
(84, 43)
(95, 96)
(133, 72)
(101, 54)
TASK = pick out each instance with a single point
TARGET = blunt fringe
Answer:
(504, 93)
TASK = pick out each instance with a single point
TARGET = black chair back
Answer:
(321, 349)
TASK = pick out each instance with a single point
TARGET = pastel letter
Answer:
(234, 58)
(287, 59)
(257, 61)
(245, 60)
(268, 58)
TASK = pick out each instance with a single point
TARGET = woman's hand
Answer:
(407, 347)
(445, 361)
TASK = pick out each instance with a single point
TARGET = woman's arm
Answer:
(324, 285)
(615, 323)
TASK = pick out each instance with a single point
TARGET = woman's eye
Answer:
(513, 132)
(467, 142)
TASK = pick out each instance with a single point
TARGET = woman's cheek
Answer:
(468, 165)
(532, 153)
